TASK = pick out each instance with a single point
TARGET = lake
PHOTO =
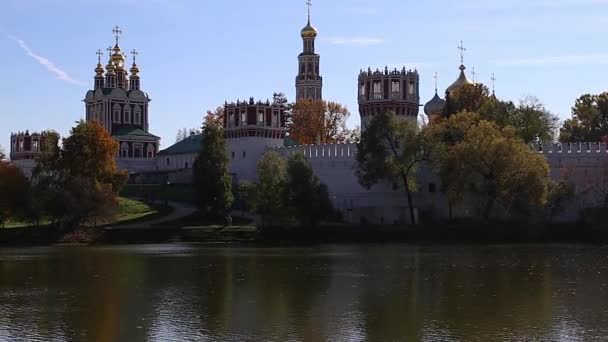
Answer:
(391, 292)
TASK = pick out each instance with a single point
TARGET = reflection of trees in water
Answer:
(78, 295)
(376, 293)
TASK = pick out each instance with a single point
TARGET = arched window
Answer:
(243, 118)
(116, 113)
(275, 118)
(150, 151)
(137, 116)
(127, 114)
(138, 150)
(260, 118)
(124, 150)
(377, 90)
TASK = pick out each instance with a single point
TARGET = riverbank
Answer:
(436, 234)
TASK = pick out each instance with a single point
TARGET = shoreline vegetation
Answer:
(194, 229)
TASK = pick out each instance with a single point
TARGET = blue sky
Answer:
(195, 54)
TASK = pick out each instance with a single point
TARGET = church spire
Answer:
(134, 79)
(99, 79)
(309, 82)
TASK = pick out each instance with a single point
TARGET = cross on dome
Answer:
(493, 78)
(473, 73)
(309, 5)
(462, 50)
(117, 33)
(134, 53)
(99, 54)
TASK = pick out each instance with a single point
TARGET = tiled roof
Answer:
(192, 144)
(132, 131)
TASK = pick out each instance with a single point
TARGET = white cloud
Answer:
(50, 66)
(354, 41)
(588, 59)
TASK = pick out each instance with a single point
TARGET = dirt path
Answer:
(180, 210)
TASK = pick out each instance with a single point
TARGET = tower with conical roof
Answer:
(309, 83)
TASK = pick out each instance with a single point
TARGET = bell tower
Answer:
(309, 83)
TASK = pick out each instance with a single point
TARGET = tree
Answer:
(391, 149)
(589, 121)
(89, 153)
(319, 122)
(302, 192)
(532, 122)
(184, 133)
(212, 182)
(493, 164)
(281, 100)
(2, 155)
(466, 98)
(13, 190)
(214, 118)
(265, 196)
(50, 156)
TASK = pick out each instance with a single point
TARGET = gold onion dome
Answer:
(462, 80)
(99, 69)
(110, 68)
(309, 31)
(134, 70)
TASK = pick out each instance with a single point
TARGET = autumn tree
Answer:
(392, 149)
(214, 118)
(212, 182)
(89, 153)
(13, 190)
(589, 121)
(493, 164)
(319, 122)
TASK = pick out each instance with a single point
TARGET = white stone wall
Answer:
(175, 162)
(244, 153)
(27, 166)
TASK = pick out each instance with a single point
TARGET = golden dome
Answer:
(134, 70)
(462, 80)
(99, 69)
(110, 68)
(309, 31)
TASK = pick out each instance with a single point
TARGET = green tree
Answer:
(212, 181)
(265, 196)
(467, 98)
(494, 164)
(589, 121)
(392, 149)
(13, 190)
(302, 192)
(532, 122)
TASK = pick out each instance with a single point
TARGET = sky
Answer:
(196, 54)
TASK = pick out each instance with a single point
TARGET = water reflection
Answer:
(326, 293)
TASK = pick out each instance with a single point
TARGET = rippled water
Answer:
(325, 293)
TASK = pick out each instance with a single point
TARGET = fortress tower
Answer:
(251, 128)
(382, 91)
(309, 83)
